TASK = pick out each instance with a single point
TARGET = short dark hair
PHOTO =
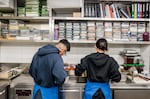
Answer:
(66, 43)
(102, 44)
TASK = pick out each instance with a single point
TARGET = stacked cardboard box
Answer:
(99, 30)
(83, 31)
(116, 31)
(45, 34)
(69, 28)
(44, 11)
(91, 30)
(3, 29)
(140, 30)
(32, 7)
(76, 30)
(62, 33)
(24, 33)
(14, 27)
(125, 31)
(133, 31)
(108, 31)
(21, 11)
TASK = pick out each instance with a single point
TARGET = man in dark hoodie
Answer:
(101, 68)
(47, 70)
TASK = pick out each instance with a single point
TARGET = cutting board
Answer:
(139, 80)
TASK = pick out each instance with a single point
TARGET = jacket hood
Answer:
(47, 49)
(99, 59)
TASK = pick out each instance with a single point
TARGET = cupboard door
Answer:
(132, 94)
(71, 93)
(65, 3)
(3, 94)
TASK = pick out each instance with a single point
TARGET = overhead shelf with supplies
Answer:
(6, 5)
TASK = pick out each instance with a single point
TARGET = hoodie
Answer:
(47, 67)
(100, 68)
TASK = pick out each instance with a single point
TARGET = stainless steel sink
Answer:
(76, 79)
(71, 81)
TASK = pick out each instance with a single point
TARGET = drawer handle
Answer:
(2, 92)
(69, 90)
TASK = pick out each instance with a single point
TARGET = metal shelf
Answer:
(130, 42)
(73, 18)
(73, 42)
(25, 41)
(15, 41)
(125, 0)
(109, 42)
(101, 19)
(39, 19)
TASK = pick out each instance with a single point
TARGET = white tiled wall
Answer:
(145, 52)
(80, 51)
(23, 53)
(17, 53)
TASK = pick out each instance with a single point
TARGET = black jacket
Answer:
(100, 68)
(47, 67)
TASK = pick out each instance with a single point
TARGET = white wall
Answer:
(23, 52)
(17, 53)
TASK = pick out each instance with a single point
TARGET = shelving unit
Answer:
(24, 21)
(102, 21)
(57, 13)
(53, 5)
(117, 5)
(115, 46)
(22, 51)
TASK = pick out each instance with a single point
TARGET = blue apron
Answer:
(92, 87)
(46, 93)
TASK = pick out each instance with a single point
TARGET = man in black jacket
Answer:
(101, 68)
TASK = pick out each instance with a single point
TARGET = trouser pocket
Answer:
(98, 94)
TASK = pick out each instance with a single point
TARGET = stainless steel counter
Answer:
(3, 89)
(21, 87)
(71, 82)
(3, 84)
(74, 89)
(23, 79)
(124, 85)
